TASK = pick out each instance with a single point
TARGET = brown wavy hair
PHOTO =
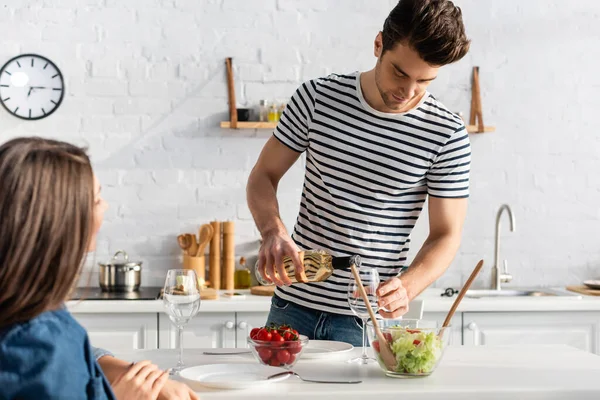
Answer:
(46, 219)
(433, 28)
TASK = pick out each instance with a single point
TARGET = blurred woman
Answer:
(50, 212)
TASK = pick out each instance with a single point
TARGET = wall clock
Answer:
(31, 86)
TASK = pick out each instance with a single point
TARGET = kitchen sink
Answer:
(504, 293)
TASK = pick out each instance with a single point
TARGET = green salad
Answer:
(416, 351)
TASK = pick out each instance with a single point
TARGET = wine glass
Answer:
(181, 298)
(370, 280)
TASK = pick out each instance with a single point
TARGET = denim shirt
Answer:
(50, 357)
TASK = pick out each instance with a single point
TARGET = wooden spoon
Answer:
(461, 294)
(384, 347)
(184, 243)
(205, 234)
(193, 244)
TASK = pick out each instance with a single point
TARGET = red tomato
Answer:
(283, 356)
(292, 358)
(288, 336)
(294, 347)
(376, 346)
(274, 362)
(416, 342)
(253, 332)
(276, 337)
(265, 354)
(264, 334)
(388, 337)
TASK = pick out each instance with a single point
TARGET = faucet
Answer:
(497, 276)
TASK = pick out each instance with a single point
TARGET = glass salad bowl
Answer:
(417, 345)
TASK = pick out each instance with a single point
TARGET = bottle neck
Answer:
(345, 262)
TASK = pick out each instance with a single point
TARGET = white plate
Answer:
(230, 376)
(592, 284)
(325, 349)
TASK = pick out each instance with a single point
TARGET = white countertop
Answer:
(486, 372)
(433, 302)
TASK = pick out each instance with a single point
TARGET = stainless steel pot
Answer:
(120, 275)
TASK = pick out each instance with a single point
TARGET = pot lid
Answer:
(124, 261)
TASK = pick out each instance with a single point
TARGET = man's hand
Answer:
(392, 298)
(275, 246)
(174, 390)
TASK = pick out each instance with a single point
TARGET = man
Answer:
(377, 145)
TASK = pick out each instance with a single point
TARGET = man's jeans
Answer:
(316, 325)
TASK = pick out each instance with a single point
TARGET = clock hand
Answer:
(35, 87)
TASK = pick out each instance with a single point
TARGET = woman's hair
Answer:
(46, 219)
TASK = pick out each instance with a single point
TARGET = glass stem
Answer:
(180, 341)
(364, 351)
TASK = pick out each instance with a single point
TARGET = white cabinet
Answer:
(578, 329)
(120, 332)
(205, 330)
(245, 322)
(455, 325)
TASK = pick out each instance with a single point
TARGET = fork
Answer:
(307, 380)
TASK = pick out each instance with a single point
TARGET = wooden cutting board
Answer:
(262, 290)
(584, 290)
(209, 294)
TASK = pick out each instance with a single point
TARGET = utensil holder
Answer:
(198, 264)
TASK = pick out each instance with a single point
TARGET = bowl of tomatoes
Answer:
(277, 346)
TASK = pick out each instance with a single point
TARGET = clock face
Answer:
(31, 86)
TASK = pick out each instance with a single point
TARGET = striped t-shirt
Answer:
(367, 176)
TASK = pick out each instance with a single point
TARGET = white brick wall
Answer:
(146, 91)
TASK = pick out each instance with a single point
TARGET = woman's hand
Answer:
(141, 381)
(174, 390)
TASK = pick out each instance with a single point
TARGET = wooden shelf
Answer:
(475, 129)
(476, 118)
(233, 122)
(273, 125)
(250, 125)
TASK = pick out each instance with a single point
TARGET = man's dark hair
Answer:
(433, 28)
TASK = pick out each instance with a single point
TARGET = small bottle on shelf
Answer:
(273, 115)
(318, 266)
(263, 111)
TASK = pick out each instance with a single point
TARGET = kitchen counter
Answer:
(489, 372)
(433, 302)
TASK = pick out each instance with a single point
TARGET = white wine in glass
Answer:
(181, 298)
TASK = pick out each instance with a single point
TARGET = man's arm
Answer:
(446, 219)
(274, 161)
